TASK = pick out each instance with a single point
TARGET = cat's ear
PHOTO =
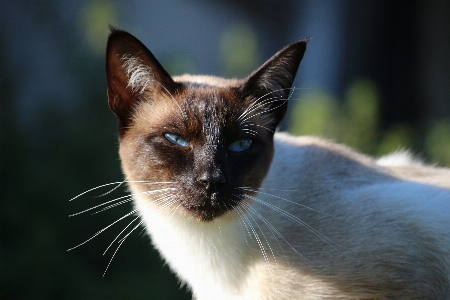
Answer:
(270, 85)
(132, 73)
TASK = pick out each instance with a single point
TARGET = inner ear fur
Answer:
(270, 85)
(132, 73)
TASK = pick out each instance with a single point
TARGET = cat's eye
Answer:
(240, 145)
(176, 139)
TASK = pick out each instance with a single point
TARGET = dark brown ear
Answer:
(133, 73)
(270, 85)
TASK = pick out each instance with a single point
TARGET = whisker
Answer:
(109, 263)
(165, 204)
(105, 228)
(298, 221)
(143, 230)
(264, 236)
(128, 197)
(119, 183)
(256, 125)
(128, 181)
(252, 132)
(120, 238)
(113, 189)
(96, 188)
(120, 233)
(267, 189)
(131, 231)
(267, 110)
(241, 219)
(274, 230)
(105, 203)
(254, 107)
(237, 208)
(290, 201)
(174, 209)
(257, 238)
(291, 92)
(257, 102)
(120, 244)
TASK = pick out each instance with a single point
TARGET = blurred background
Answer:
(376, 76)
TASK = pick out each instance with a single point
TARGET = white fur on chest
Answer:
(211, 257)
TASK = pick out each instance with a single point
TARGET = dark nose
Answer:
(211, 182)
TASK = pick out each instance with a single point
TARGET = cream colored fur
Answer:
(327, 223)
(139, 75)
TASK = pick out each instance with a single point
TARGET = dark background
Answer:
(57, 135)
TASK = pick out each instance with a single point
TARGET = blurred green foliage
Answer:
(355, 121)
(95, 17)
(239, 50)
(437, 141)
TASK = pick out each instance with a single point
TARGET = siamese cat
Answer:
(241, 211)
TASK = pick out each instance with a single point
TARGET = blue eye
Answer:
(240, 145)
(176, 139)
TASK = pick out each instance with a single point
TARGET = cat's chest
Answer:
(208, 254)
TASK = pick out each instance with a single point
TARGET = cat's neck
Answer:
(194, 249)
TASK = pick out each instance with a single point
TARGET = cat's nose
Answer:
(211, 182)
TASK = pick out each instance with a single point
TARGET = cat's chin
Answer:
(212, 208)
(202, 215)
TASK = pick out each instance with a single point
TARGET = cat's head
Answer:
(193, 142)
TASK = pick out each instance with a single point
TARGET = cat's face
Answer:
(200, 147)
(193, 143)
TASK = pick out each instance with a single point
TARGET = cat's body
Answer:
(388, 238)
(318, 221)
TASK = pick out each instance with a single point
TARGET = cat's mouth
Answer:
(208, 208)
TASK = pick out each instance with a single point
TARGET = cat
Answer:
(239, 210)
